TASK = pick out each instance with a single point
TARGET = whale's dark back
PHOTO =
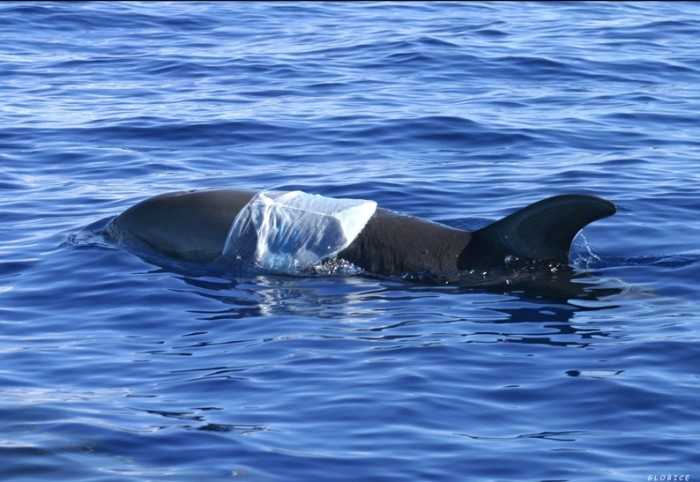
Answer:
(188, 225)
(193, 226)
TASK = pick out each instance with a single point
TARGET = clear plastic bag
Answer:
(292, 231)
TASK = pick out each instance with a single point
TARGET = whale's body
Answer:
(193, 226)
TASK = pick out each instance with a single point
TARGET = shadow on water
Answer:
(547, 303)
(540, 298)
(533, 314)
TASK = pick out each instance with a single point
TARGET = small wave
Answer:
(653, 29)
(654, 118)
(145, 129)
(178, 68)
(13, 267)
(91, 236)
(434, 42)
(443, 129)
(491, 32)
(530, 62)
(410, 58)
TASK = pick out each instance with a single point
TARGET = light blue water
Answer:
(115, 369)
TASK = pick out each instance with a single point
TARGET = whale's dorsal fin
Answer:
(542, 231)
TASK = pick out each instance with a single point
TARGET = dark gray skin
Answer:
(193, 226)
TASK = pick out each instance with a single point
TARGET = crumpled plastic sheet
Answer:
(292, 231)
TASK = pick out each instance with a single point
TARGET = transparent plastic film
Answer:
(293, 231)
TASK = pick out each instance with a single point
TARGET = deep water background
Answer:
(116, 369)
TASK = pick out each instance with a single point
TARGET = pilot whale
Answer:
(193, 226)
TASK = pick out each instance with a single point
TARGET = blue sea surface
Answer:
(114, 368)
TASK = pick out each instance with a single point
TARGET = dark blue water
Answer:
(116, 369)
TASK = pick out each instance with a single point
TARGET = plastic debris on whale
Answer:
(292, 231)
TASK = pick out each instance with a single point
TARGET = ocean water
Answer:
(114, 368)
